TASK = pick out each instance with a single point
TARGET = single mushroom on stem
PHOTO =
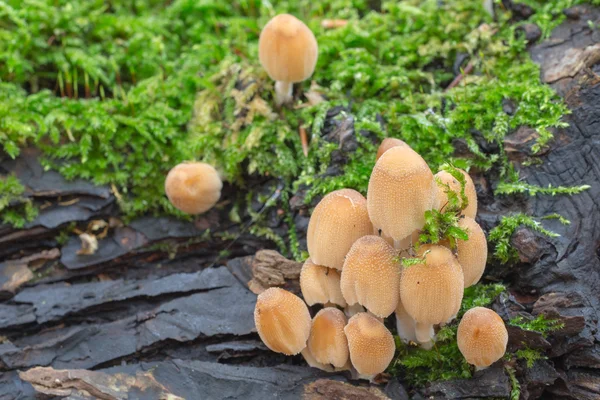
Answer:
(371, 276)
(445, 178)
(472, 253)
(431, 291)
(288, 51)
(482, 337)
(282, 321)
(320, 285)
(401, 189)
(193, 187)
(327, 342)
(338, 220)
(371, 345)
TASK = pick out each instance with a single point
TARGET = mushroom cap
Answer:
(472, 253)
(371, 345)
(282, 321)
(287, 49)
(339, 219)
(482, 337)
(371, 276)
(327, 342)
(320, 285)
(448, 179)
(387, 144)
(401, 189)
(431, 292)
(193, 187)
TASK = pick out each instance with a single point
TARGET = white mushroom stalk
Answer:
(288, 51)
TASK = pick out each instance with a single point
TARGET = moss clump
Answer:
(444, 361)
(15, 209)
(540, 324)
(500, 236)
(530, 356)
(119, 94)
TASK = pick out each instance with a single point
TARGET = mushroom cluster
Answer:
(368, 261)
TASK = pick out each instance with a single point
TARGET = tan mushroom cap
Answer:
(193, 187)
(327, 342)
(320, 285)
(371, 276)
(288, 49)
(472, 253)
(432, 292)
(387, 144)
(282, 321)
(338, 220)
(482, 337)
(371, 344)
(401, 189)
(448, 179)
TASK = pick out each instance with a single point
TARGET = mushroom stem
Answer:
(353, 309)
(424, 334)
(405, 325)
(355, 375)
(283, 92)
(310, 360)
(479, 368)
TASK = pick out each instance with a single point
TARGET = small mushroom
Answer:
(431, 292)
(282, 321)
(472, 253)
(454, 185)
(482, 337)
(387, 144)
(338, 220)
(193, 187)
(320, 285)
(371, 345)
(401, 189)
(327, 341)
(288, 51)
(371, 276)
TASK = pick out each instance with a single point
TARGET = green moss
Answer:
(540, 324)
(500, 236)
(508, 188)
(530, 356)
(515, 392)
(15, 209)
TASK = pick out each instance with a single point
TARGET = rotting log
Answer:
(132, 318)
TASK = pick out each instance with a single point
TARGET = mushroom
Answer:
(338, 220)
(282, 321)
(371, 276)
(405, 324)
(431, 292)
(327, 341)
(371, 345)
(387, 144)
(482, 337)
(472, 253)
(288, 51)
(401, 189)
(193, 187)
(442, 197)
(320, 285)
